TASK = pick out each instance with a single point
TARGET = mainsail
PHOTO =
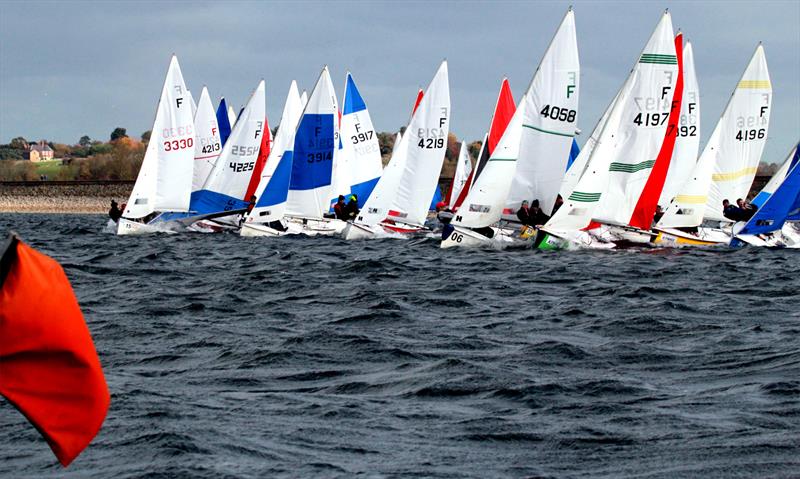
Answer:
(165, 178)
(777, 178)
(643, 212)
(314, 143)
(226, 185)
(408, 182)
(207, 141)
(783, 203)
(549, 121)
(687, 145)
(360, 153)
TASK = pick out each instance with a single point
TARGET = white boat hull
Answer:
(315, 226)
(126, 227)
(252, 230)
(462, 237)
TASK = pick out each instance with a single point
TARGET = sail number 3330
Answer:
(178, 144)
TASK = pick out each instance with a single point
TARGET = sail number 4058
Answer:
(558, 113)
(178, 144)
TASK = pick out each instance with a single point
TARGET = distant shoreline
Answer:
(62, 198)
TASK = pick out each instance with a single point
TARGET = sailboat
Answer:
(531, 158)
(626, 149)
(726, 167)
(359, 158)
(273, 188)
(777, 178)
(165, 178)
(400, 200)
(223, 193)
(764, 227)
(311, 180)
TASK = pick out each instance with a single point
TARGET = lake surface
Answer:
(316, 357)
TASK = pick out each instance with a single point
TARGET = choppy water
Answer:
(315, 357)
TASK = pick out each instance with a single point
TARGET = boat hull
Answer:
(126, 227)
(252, 230)
(462, 237)
(670, 237)
(315, 226)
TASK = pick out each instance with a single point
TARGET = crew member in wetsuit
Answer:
(351, 209)
(251, 204)
(731, 212)
(537, 216)
(114, 213)
(339, 209)
(748, 209)
(524, 214)
(659, 214)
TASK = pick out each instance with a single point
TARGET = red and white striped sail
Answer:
(461, 175)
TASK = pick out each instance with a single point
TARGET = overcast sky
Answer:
(74, 68)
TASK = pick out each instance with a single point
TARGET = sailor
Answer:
(748, 209)
(524, 213)
(251, 204)
(443, 213)
(659, 214)
(537, 216)
(351, 209)
(731, 212)
(339, 209)
(114, 213)
(559, 202)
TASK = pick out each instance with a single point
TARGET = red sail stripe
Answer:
(642, 216)
(261, 161)
(503, 111)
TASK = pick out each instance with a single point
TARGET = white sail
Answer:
(271, 203)
(461, 175)
(578, 167)
(745, 133)
(165, 178)
(726, 154)
(207, 142)
(226, 185)
(304, 99)
(408, 182)
(628, 143)
(315, 141)
(231, 117)
(687, 142)
(484, 203)
(643, 125)
(549, 123)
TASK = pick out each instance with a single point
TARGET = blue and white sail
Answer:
(207, 140)
(273, 189)
(782, 204)
(314, 143)
(777, 178)
(360, 155)
(223, 121)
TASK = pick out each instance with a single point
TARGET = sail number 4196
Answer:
(744, 135)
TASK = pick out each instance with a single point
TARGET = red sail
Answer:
(420, 94)
(49, 368)
(261, 161)
(503, 111)
(642, 216)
